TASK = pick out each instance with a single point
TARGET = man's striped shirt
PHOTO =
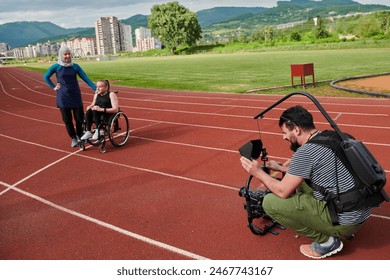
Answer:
(318, 164)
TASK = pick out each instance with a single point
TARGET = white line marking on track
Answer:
(337, 116)
(107, 225)
(246, 116)
(156, 122)
(78, 153)
(24, 100)
(162, 173)
(185, 144)
(241, 130)
(28, 118)
(380, 216)
(39, 92)
(230, 99)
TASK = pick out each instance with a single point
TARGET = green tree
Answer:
(320, 30)
(174, 25)
(370, 26)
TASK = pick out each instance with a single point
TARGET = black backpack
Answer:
(368, 175)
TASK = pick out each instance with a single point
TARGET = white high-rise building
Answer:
(112, 36)
(4, 47)
(145, 41)
(126, 37)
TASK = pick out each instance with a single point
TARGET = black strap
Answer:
(332, 212)
(332, 140)
(329, 198)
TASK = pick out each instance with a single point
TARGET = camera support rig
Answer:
(254, 200)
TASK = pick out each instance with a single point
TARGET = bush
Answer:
(295, 36)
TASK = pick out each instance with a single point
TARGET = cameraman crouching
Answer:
(294, 205)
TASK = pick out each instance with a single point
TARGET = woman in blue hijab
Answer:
(68, 94)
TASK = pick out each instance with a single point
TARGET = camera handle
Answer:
(315, 101)
(248, 206)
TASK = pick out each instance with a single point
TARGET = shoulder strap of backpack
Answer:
(332, 140)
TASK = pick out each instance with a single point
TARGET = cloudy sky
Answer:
(84, 13)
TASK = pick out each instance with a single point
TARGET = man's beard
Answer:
(294, 145)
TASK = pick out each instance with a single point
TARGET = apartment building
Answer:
(126, 37)
(145, 41)
(112, 36)
(4, 47)
(82, 47)
(39, 50)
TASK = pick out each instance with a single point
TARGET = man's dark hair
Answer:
(297, 116)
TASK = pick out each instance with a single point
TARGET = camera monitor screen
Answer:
(252, 149)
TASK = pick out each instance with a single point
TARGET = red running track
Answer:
(172, 191)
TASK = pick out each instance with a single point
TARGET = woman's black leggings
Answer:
(78, 115)
(92, 116)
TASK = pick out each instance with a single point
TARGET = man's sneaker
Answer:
(318, 251)
(86, 135)
(95, 135)
(74, 142)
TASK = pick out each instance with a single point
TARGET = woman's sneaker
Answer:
(320, 251)
(95, 135)
(86, 135)
(74, 142)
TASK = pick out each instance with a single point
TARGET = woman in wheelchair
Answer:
(104, 104)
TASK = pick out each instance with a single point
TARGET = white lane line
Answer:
(107, 225)
(230, 97)
(79, 153)
(29, 118)
(250, 117)
(24, 100)
(222, 105)
(248, 107)
(380, 216)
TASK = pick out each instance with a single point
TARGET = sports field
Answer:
(236, 72)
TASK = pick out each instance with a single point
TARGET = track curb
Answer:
(333, 84)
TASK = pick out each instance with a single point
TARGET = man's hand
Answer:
(252, 166)
(276, 166)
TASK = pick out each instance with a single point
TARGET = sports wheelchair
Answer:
(115, 127)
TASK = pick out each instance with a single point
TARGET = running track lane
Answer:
(171, 191)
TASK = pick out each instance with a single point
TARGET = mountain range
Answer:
(19, 34)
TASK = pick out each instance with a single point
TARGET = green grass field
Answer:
(234, 72)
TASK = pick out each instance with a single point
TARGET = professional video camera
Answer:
(254, 199)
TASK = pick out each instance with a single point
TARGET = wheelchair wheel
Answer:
(118, 130)
(81, 146)
(102, 149)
